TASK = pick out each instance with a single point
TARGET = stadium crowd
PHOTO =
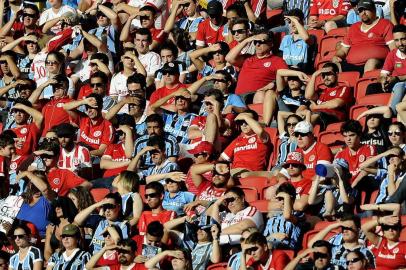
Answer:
(192, 135)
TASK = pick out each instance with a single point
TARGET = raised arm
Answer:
(254, 125)
(235, 57)
(197, 54)
(310, 92)
(14, 69)
(39, 183)
(303, 34)
(85, 213)
(125, 31)
(115, 21)
(37, 92)
(134, 164)
(323, 233)
(37, 116)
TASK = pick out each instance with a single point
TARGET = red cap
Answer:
(203, 146)
(294, 158)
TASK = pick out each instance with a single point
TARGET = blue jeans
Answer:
(398, 92)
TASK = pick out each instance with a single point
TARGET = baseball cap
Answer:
(202, 147)
(70, 229)
(303, 127)
(294, 158)
(214, 8)
(170, 68)
(366, 4)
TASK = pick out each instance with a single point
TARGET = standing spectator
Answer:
(327, 15)
(52, 19)
(211, 30)
(367, 42)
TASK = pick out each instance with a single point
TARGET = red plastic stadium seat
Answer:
(98, 194)
(310, 234)
(341, 31)
(260, 183)
(402, 235)
(217, 266)
(322, 224)
(141, 190)
(274, 16)
(361, 87)
(334, 126)
(251, 194)
(349, 77)
(318, 34)
(372, 73)
(374, 195)
(290, 253)
(261, 205)
(331, 138)
(329, 44)
(258, 108)
(375, 99)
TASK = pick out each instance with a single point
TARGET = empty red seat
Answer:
(251, 194)
(349, 77)
(218, 266)
(98, 194)
(361, 87)
(372, 73)
(261, 205)
(341, 31)
(375, 99)
(260, 183)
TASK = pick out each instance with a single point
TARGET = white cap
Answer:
(303, 127)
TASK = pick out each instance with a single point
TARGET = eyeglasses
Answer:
(260, 42)
(51, 63)
(344, 228)
(301, 134)
(320, 255)
(219, 80)
(323, 75)
(238, 31)
(250, 250)
(348, 262)
(394, 133)
(240, 122)
(200, 154)
(390, 227)
(151, 195)
(20, 236)
(105, 234)
(182, 98)
(93, 85)
(291, 124)
(109, 206)
(230, 200)
(29, 15)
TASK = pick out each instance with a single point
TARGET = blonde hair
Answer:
(129, 180)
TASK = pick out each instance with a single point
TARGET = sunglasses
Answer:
(238, 31)
(230, 200)
(293, 165)
(323, 75)
(343, 228)
(51, 63)
(394, 133)
(109, 206)
(291, 124)
(105, 234)
(100, 14)
(182, 98)
(301, 134)
(391, 156)
(46, 156)
(65, 236)
(151, 195)
(153, 152)
(260, 42)
(169, 181)
(93, 85)
(29, 15)
(219, 80)
(3, 62)
(20, 236)
(144, 18)
(390, 227)
(30, 42)
(186, 5)
(319, 255)
(207, 103)
(250, 250)
(348, 262)
(240, 122)
(170, 73)
(200, 154)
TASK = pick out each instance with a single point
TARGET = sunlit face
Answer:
(219, 58)
(179, 263)
(102, 19)
(293, 169)
(231, 16)
(239, 32)
(128, 62)
(395, 135)
(4, 66)
(60, 90)
(351, 139)
(290, 124)
(53, 65)
(209, 107)
(8, 150)
(147, 20)
(234, 202)
(157, 157)
(373, 122)
(93, 113)
(323, 259)
(153, 128)
(329, 77)
(350, 231)
(112, 213)
(153, 240)
(395, 159)
(354, 262)
(392, 233)
(125, 255)
(172, 186)
(74, 199)
(304, 141)
(182, 103)
(167, 56)
(142, 43)
(292, 27)
(400, 41)
(98, 86)
(20, 117)
(190, 8)
(220, 83)
(20, 238)
(367, 16)
(170, 79)
(262, 48)
(153, 198)
(258, 252)
(294, 84)
(202, 235)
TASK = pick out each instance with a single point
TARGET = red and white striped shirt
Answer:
(78, 158)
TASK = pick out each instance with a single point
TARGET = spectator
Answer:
(10, 72)
(240, 30)
(211, 30)
(180, 259)
(356, 261)
(376, 40)
(175, 199)
(23, 23)
(327, 16)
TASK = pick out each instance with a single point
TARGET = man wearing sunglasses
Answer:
(262, 66)
(331, 104)
(347, 240)
(240, 30)
(313, 152)
(51, 19)
(318, 258)
(356, 154)
(154, 195)
(261, 256)
(28, 25)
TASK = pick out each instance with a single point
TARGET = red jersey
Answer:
(277, 261)
(27, 134)
(96, 134)
(84, 91)
(54, 114)
(354, 161)
(200, 122)
(208, 34)
(315, 154)
(248, 152)
(302, 187)
(390, 258)
(263, 70)
(158, 35)
(111, 259)
(191, 186)
(368, 44)
(327, 9)
(78, 158)
(147, 217)
(3, 167)
(258, 6)
(165, 91)
(62, 180)
(395, 63)
(116, 153)
(341, 92)
(19, 30)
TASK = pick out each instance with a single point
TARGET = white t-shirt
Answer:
(82, 69)
(228, 219)
(118, 86)
(151, 62)
(158, 4)
(49, 14)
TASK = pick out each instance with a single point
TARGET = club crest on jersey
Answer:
(13, 165)
(97, 133)
(252, 140)
(56, 181)
(312, 158)
(361, 158)
(267, 64)
(59, 105)
(333, 93)
(23, 130)
(395, 250)
(336, 3)
(76, 161)
(371, 35)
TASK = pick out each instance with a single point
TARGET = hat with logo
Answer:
(70, 229)
(294, 158)
(366, 4)
(171, 68)
(202, 147)
(303, 127)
